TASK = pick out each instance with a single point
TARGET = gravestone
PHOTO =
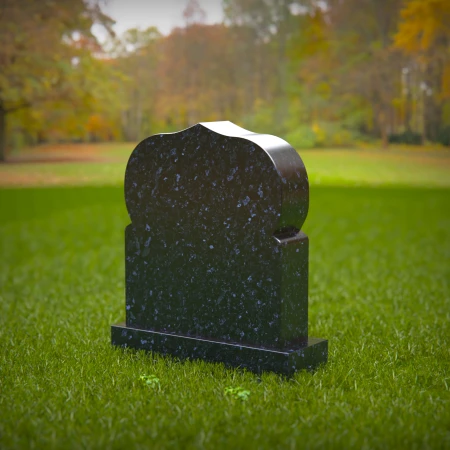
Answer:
(216, 264)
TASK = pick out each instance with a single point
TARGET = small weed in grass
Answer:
(237, 393)
(150, 381)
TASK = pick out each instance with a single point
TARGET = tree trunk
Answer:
(383, 130)
(2, 134)
(282, 67)
(432, 104)
(408, 102)
(138, 118)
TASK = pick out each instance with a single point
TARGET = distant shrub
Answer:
(407, 137)
(322, 134)
(302, 137)
(336, 135)
(342, 138)
(444, 136)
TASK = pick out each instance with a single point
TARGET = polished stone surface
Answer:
(256, 359)
(214, 252)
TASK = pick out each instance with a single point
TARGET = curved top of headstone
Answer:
(216, 175)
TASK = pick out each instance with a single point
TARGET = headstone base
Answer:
(255, 359)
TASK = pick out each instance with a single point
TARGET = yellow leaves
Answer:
(320, 134)
(324, 89)
(424, 23)
(445, 90)
(310, 38)
(316, 33)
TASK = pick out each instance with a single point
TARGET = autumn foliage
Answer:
(321, 73)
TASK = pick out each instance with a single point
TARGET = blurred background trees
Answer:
(48, 69)
(319, 73)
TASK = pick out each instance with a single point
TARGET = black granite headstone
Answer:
(216, 265)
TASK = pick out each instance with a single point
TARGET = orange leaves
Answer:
(99, 128)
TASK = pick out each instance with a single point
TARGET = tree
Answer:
(194, 13)
(38, 52)
(424, 35)
(196, 75)
(136, 58)
(267, 26)
(361, 37)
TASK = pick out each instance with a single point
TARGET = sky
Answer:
(164, 14)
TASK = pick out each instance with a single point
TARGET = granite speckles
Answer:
(216, 265)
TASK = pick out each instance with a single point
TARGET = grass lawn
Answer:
(66, 164)
(379, 292)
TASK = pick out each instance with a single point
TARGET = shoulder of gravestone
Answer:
(285, 158)
(288, 163)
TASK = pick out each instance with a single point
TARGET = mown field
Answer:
(379, 229)
(104, 164)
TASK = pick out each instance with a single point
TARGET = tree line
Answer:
(317, 72)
